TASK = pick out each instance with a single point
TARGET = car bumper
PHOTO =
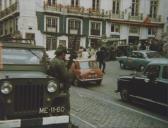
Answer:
(87, 80)
(65, 119)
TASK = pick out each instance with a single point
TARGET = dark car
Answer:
(29, 97)
(152, 86)
(138, 59)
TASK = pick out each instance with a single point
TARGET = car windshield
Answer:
(153, 55)
(88, 65)
(21, 56)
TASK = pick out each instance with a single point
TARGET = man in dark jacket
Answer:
(101, 58)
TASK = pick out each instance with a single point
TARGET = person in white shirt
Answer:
(85, 54)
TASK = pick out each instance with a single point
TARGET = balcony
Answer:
(76, 9)
(156, 19)
(53, 7)
(10, 10)
(136, 18)
(81, 11)
(117, 16)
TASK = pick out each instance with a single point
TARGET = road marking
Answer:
(130, 109)
(93, 126)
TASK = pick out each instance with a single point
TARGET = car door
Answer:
(161, 87)
(139, 87)
(151, 83)
(139, 61)
(131, 60)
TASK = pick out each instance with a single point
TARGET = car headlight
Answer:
(6, 88)
(52, 87)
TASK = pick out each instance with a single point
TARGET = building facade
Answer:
(75, 23)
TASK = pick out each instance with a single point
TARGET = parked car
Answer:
(29, 97)
(151, 86)
(138, 59)
(87, 70)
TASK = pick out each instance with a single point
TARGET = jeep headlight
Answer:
(6, 88)
(52, 86)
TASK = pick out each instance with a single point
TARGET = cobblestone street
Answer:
(100, 107)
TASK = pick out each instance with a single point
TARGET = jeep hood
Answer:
(22, 74)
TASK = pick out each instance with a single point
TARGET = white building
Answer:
(75, 23)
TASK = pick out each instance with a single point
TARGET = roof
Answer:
(82, 59)
(19, 45)
(159, 61)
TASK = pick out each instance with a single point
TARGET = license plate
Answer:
(45, 110)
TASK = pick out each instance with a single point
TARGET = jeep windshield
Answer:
(21, 56)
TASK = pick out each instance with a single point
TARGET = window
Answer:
(154, 69)
(115, 28)
(140, 55)
(74, 3)
(153, 8)
(116, 7)
(95, 4)
(51, 43)
(165, 72)
(134, 30)
(74, 24)
(134, 55)
(51, 2)
(135, 8)
(51, 24)
(151, 31)
(95, 28)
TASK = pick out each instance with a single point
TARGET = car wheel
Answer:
(98, 82)
(141, 68)
(122, 65)
(124, 95)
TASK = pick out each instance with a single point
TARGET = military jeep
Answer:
(29, 97)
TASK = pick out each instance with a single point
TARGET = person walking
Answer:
(101, 58)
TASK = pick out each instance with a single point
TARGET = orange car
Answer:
(87, 70)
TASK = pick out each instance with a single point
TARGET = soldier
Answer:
(57, 67)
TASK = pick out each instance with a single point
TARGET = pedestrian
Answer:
(58, 69)
(101, 58)
(85, 54)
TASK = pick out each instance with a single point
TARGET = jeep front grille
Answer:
(28, 98)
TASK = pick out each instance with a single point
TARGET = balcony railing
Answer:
(156, 19)
(53, 7)
(76, 9)
(82, 11)
(137, 17)
(9, 10)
